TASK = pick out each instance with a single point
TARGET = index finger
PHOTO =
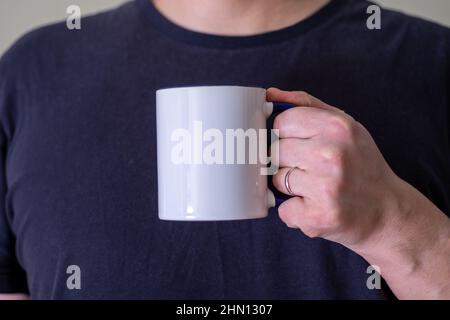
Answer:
(301, 122)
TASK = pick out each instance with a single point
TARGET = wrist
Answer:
(409, 228)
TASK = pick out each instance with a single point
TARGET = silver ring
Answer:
(286, 180)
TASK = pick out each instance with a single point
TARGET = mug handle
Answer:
(276, 197)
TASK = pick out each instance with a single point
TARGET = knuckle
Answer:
(341, 127)
(333, 155)
(334, 160)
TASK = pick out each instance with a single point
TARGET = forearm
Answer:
(345, 191)
(413, 251)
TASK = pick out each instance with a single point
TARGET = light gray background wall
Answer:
(20, 16)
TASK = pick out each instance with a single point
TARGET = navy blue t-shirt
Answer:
(78, 182)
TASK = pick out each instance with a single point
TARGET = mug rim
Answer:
(209, 87)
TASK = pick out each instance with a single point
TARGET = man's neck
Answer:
(237, 17)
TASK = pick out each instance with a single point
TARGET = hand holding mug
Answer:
(343, 189)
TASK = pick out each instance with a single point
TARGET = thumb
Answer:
(298, 98)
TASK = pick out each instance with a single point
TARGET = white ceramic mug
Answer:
(198, 190)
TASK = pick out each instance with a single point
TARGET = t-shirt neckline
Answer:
(153, 16)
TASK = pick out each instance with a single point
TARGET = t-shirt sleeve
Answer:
(12, 276)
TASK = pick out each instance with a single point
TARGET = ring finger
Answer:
(298, 181)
